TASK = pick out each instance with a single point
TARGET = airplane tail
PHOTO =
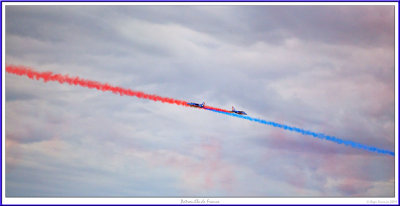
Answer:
(203, 104)
(233, 108)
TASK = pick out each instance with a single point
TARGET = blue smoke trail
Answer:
(306, 132)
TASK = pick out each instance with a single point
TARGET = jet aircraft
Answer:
(238, 112)
(196, 104)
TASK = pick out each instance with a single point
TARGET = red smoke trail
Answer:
(216, 109)
(49, 76)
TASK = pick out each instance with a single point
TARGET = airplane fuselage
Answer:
(240, 112)
(196, 105)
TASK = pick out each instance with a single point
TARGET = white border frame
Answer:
(199, 200)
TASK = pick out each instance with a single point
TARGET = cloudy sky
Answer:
(327, 69)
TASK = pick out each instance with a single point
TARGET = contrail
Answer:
(310, 133)
(216, 109)
(49, 76)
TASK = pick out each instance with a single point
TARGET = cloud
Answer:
(321, 68)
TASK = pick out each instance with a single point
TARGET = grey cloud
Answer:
(325, 69)
(360, 25)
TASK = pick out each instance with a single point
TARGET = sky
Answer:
(326, 69)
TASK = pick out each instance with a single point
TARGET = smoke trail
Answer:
(216, 109)
(310, 133)
(49, 76)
